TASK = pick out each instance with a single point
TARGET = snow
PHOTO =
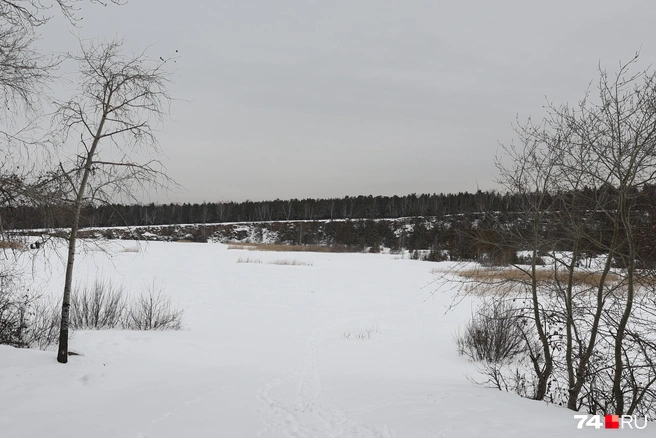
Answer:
(356, 345)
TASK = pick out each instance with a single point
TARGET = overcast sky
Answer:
(321, 98)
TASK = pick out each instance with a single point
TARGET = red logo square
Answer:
(612, 421)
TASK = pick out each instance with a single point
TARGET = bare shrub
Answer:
(100, 306)
(493, 335)
(435, 255)
(30, 321)
(153, 311)
(509, 379)
(14, 311)
(527, 259)
(42, 325)
(25, 319)
(106, 306)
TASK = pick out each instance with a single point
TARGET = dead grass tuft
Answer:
(292, 248)
(580, 278)
(11, 244)
(248, 260)
(290, 262)
(362, 335)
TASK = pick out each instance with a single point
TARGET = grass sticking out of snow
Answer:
(11, 244)
(362, 334)
(292, 248)
(290, 262)
(485, 275)
(248, 260)
(281, 262)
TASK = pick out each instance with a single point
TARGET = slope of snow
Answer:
(356, 345)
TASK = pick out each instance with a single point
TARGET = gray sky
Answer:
(309, 98)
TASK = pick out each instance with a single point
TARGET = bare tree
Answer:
(113, 122)
(580, 173)
(25, 73)
(617, 136)
(23, 69)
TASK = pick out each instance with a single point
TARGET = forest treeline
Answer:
(357, 207)
(463, 226)
(349, 207)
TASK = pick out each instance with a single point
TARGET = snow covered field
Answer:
(355, 345)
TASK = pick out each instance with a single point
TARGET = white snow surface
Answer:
(268, 351)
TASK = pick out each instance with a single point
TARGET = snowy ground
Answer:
(268, 351)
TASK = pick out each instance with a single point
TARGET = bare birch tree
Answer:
(112, 120)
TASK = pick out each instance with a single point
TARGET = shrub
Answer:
(435, 255)
(42, 326)
(29, 321)
(101, 306)
(106, 306)
(25, 320)
(527, 259)
(493, 334)
(14, 310)
(153, 311)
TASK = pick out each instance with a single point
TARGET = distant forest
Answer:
(357, 207)
(463, 226)
(360, 207)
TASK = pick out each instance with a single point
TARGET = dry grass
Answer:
(361, 334)
(580, 278)
(290, 248)
(248, 260)
(11, 244)
(134, 249)
(290, 262)
(281, 262)
(646, 281)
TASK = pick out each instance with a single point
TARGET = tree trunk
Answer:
(618, 395)
(62, 353)
(544, 373)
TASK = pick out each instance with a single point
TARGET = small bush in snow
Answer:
(24, 319)
(527, 259)
(14, 310)
(493, 334)
(42, 325)
(153, 311)
(101, 306)
(107, 306)
(435, 255)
